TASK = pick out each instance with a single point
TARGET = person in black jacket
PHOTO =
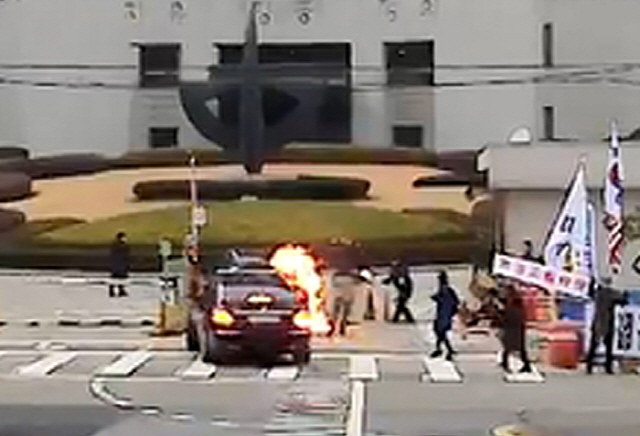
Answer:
(401, 280)
(119, 264)
(447, 304)
(606, 299)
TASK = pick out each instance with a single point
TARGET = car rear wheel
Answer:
(191, 338)
(213, 350)
(302, 355)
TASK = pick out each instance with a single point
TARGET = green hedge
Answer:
(304, 187)
(10, 219)
(13, 153)
(451, 179)
(14, 186)
(33, 228)
(415, 251)
(57, 166)
(317, 155)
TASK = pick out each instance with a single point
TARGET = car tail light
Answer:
(303, 320)
(221, 317)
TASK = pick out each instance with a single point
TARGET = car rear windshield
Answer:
(252, 280)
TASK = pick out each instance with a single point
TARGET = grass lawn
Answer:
(262, 222)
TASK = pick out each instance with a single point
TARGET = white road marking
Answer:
(525, 377)
(283, 373)
(126, 365)
(355, 419)
(363, 367)
(198, 370)
(522, 377)
(46, 365)
(441, 371)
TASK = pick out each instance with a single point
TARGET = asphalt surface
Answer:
(248, 400)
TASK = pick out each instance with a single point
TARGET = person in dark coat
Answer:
(447, 304)
(119, 264)
(401, 280)
(514, 330)
(602, 327)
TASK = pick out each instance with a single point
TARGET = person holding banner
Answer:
(514, 330)
(603, 324)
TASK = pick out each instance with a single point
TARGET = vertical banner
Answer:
(626, 340)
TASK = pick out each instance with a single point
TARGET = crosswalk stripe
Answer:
(363, 367)
(283, 373)
(46, 365)
(126, 365)
(198, 370)
(441, 371)
(525, 377)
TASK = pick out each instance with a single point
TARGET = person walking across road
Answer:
(447, 304)
(513, 333)
(602, 327)
(403, 283)
(119, 265)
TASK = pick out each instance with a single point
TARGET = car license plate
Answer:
(264, 319)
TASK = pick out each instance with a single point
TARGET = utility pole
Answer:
(194, 200)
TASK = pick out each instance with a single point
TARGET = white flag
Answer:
(566, 246)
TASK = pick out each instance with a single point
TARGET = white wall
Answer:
(483, 33)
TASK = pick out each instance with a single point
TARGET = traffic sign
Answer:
(199, 216)
(165, 248)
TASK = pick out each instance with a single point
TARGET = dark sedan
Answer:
(249, 312)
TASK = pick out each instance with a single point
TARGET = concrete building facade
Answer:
(71, 69)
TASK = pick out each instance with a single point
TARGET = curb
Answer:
(80, 323)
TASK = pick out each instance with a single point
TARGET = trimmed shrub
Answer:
(58, 166)
(10, 219)
(13, 153)
(304, 187)
(170, 158)
(45, 225)
(462, 162)
(14, 186)
(451, 179)
(317, 155)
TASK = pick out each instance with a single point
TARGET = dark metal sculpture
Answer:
(253, 109)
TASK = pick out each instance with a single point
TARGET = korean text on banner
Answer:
(572, 284)
(626, 339)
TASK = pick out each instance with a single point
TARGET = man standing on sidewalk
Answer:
(401, 279)
(119, 264)
(602, 328)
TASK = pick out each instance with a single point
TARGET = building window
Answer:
(159, 65)
(548, 116)
(410, 63)
(547, 45)
(163, 137)
(407, 136)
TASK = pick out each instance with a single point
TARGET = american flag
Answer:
(614, 203)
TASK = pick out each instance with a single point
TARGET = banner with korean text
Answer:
(626, 339)
(572, 284)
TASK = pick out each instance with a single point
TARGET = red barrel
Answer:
(563, 346)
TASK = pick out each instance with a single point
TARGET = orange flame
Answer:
(298, 267)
